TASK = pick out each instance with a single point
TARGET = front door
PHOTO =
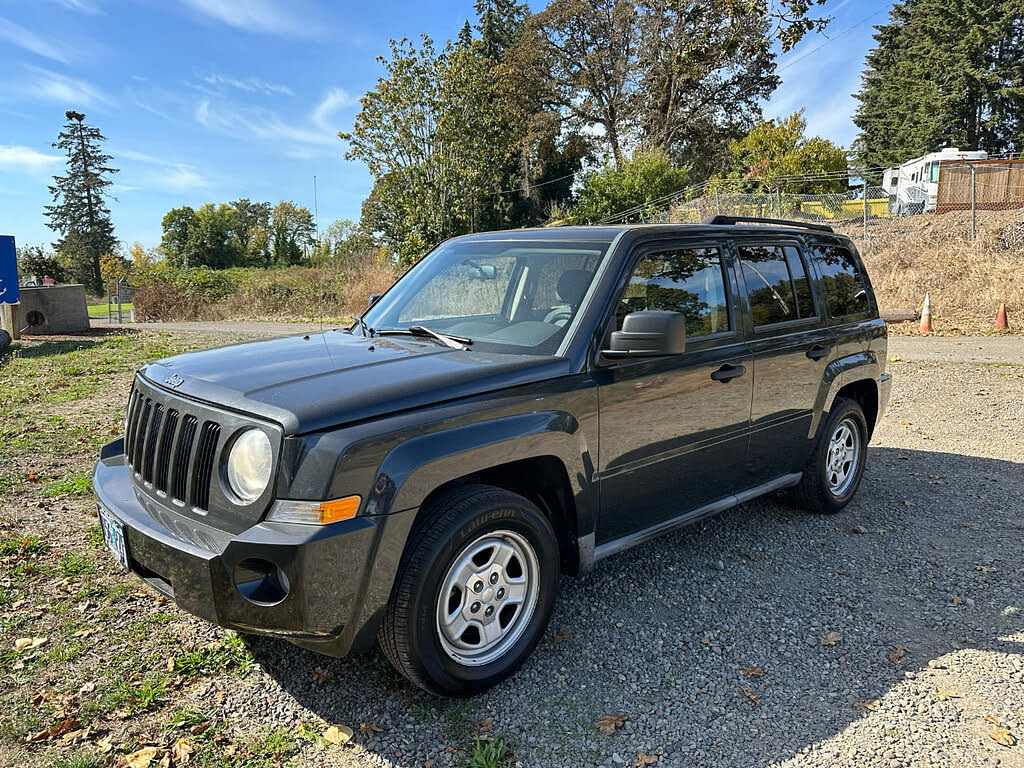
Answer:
(792, 347)
(673, 430)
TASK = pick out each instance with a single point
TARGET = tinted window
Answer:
(842, 280)
(687, 280)
(776, 284)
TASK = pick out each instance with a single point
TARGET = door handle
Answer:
(728, 372)
(818, 351)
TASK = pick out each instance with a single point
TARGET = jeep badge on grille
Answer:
(174, 381)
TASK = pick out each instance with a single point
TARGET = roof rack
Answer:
(720, 219)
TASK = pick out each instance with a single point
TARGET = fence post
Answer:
(865, 214)
(974, 198)
(718, 204)
(120, 316)
(778, 200)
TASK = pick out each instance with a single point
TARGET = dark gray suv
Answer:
(517, 406)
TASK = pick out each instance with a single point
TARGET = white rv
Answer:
(913, 186)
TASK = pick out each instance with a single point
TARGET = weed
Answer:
(75, 484)
(489, 753)
(148, 693)
(96, 536)
(73, 565)
(78, 760)
(30, 545)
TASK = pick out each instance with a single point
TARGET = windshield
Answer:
(507, 296)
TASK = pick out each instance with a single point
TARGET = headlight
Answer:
(249, 464)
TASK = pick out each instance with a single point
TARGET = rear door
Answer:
(848, 296)
(792, 345)
(672, 437)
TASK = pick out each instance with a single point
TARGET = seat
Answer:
(571, 288)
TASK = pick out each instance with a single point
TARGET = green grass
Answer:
(74, 484)
(78, 760)
(145, 694)
(100, 310)
(489, 753)
(73, 565)
(29, 545)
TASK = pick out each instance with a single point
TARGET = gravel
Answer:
(719, 642)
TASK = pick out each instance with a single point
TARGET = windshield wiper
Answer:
(366, 329)
(455, 342)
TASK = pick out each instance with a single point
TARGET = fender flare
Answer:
(862, 366)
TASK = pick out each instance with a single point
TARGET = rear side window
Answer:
(777, 284)
(686, 280)
(842, 280)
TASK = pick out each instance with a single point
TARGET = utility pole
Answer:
(316, 213)
(974, 201)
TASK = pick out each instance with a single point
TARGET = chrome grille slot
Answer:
(183, 457)
(206, 453)
(139, 438)
(152, 435)
(163, 456)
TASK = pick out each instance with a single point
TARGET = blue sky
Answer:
(212, 100)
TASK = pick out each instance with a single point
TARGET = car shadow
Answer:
(924, 565)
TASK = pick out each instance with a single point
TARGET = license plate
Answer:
(113, 535)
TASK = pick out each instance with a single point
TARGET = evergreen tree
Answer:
(79, 212)
(943, 74)
(501, 24)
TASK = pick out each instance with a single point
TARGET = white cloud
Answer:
(335, 99)
(262, 125)
(81, 6)
(29, 41)
(257, 16)
(181, 178)
(68, 91)
(249, 85)
(26, 159)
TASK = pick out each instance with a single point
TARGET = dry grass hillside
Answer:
(967, 281)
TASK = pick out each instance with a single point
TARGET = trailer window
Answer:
(935, 173)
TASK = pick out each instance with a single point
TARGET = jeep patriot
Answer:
(518, 405)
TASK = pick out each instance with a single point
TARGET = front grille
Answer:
(172, 452)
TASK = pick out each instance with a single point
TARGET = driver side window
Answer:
(690, 281)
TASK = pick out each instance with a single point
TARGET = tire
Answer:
(5, 341)
(822, 488)
(421, 636)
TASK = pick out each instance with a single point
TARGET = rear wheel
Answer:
(835, 467)
(474, 592)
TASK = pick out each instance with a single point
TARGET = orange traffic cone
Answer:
(1001, 324)
(926, 315)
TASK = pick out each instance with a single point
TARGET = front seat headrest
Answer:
(572, 285)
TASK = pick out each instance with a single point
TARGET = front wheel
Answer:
(834, 469)
(474, 591)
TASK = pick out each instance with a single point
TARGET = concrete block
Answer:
(56, 309)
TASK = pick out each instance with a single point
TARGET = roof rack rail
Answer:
(720, 219)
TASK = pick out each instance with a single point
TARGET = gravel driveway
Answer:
(890, 635)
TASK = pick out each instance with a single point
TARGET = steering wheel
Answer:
(559, 316)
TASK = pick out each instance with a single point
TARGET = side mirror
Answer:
(649, 334)
(374, 297)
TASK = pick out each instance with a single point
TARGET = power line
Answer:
(846, 31)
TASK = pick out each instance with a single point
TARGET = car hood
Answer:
(318, 381)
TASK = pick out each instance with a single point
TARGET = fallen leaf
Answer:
(321, 675)
(984, 569)
(104, 745)
(1002, 736)
(897, 653)
(142, 758)
(957, 600)
(487, 724)
(181, 752)
(609, 723)
(337, 734)
(944, 694)
(831, 638)
(230, 750)
(867, 705)
(563, 634)
(32, 477)
(643, 758)
(971, 525)
(752, 672)
(369, 729)
(751, 695)
(29, 643)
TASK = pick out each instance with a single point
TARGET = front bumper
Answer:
(339, 576)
